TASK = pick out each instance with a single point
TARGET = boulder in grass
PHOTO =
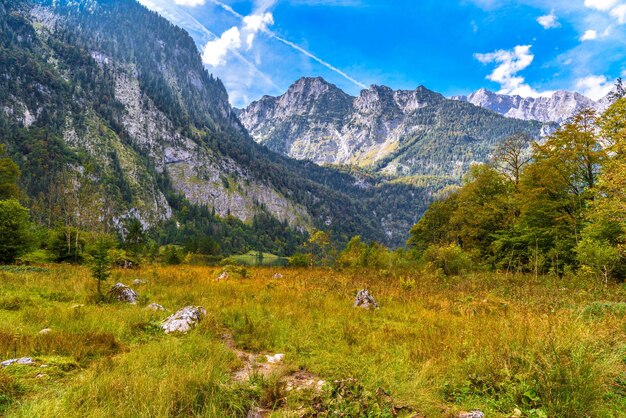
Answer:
(473, 414)
(155, 307)
(277, 276)
(184, 320)
(122, 293)
(138, 282)
(22, 361)
(365, 300)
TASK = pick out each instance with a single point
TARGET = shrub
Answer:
(14, 230)
(451, 259)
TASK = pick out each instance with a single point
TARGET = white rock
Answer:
(275, 359)
(155, 307)
(123, 293)
(21, 360)
(184, 320)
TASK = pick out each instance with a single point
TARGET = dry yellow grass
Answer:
(439, 346)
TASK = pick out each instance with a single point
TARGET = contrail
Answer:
(193, 22)
(293, 45)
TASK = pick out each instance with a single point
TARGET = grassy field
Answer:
(548, 347)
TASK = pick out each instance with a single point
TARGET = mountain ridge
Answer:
(558, 107)
(315, 120)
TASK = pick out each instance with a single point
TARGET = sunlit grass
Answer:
(550, 346)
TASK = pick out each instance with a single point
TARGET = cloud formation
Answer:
(589, 35)
(261, 7)
(594, 86)
(614, 8)
(549, 21)
(510, 63)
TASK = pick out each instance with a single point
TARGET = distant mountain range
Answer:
(559, 107)
(405, 133)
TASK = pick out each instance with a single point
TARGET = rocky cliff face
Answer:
(559, 107)
(110, 94)
(391, 130)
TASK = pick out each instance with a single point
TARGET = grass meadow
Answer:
(507, 345)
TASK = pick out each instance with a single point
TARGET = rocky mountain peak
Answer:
(558, 107)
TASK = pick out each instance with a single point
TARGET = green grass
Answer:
(252, 259)
(549, 347)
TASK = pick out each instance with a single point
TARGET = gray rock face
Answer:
(184, 320)
(17, 361)
(365, 300)
(405, 132)
(558, 108)
(122, 293)
(315, 120)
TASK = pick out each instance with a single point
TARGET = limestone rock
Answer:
(138, 282)
(155, 307)
(473, 414)
(277, 276)
(21, 360)
(365, 300)
(45, 331)
(275, 359)
(122, 293)
(184, 320)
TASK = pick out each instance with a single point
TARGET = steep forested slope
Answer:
(110, 114)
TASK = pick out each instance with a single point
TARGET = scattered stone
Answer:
(365, 300)
(138, 282)
(21, 361)
(122, 293)
(275, 359)
(257, 412)
(45, 331)
(277, 276)
(40, 375)
(302, 380)
(155, 307)
(473, 414)
(516, 413)
(184, 320)
(233, 272)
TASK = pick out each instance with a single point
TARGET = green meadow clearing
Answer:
(503, 344)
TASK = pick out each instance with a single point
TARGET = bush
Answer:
(450, 259)
(300, 260)
(599, 256)
(14, 230)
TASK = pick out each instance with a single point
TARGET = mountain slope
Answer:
(559, 107)
(395, 131)
(108, 101)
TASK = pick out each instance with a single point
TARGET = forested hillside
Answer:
(110, 115)
(559, 210)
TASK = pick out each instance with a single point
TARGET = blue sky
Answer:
(528, 47)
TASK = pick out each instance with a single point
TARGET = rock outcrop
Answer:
(184, 320)
(558, 107)
(365, 300)
(122, 293)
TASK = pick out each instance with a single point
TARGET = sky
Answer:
(527, 47)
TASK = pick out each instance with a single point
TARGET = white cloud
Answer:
(604, 5)
(549, 21)
(619, 13)
(254, 24)
(594, 86)
(190, 3)
(510, 63)
(215, 52)
(589, 35)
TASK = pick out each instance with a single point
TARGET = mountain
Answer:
(559, 107)
(417, 132)
(106, 104)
